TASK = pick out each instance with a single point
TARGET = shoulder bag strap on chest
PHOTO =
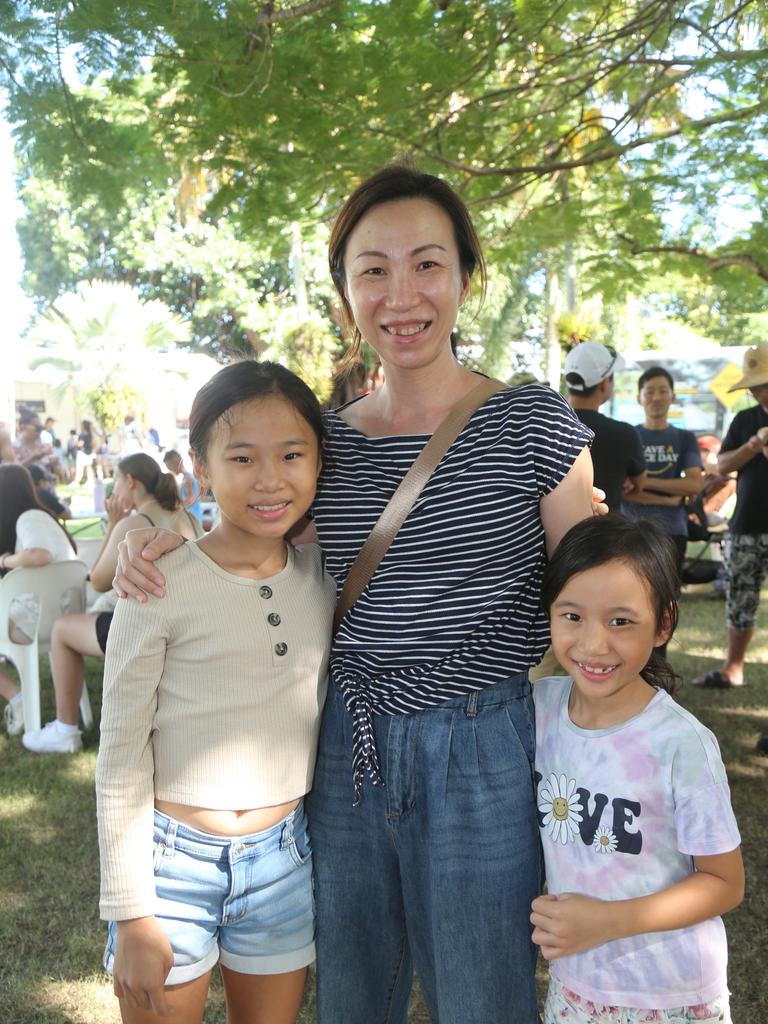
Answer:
(404, 498)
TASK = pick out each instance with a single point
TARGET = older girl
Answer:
(212, 703)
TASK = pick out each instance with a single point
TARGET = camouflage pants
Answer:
(747, 562)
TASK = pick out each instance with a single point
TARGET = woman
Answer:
(30, 535)
(87, 441)
(423, 811)
(140, 488)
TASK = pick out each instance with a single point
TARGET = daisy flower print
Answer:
(604, 840)
(561, 807)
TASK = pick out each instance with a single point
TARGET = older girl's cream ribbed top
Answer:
(212, 698)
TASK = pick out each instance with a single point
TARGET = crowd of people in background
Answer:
(124, 487)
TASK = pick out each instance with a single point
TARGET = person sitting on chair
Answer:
(30, 535)
(142, 488)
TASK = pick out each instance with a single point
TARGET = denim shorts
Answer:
(244, 900)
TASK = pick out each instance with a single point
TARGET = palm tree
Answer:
(107, 342)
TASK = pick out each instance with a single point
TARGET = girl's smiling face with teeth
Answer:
(604, 628)
(261, 463)
(404, 281)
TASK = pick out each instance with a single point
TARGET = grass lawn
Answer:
(51, 937)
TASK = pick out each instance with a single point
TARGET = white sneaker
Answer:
(14, 716)
(51, 740)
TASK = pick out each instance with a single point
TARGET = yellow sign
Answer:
(725, 379)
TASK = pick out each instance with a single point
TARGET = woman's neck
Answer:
(415, 401)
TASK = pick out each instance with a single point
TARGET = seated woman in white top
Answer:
(142, 494)
(29, 535)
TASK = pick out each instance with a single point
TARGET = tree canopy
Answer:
(624, 139)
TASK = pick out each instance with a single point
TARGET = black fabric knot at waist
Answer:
(365, 756)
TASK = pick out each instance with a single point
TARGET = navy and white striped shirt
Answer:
(454, 604)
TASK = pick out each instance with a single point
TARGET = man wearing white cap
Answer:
(617, 454)
(745, 451)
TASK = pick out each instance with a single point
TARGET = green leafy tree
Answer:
(112, 404)
(597, 142)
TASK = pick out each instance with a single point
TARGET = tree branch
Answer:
(604, 151)
(715, 263)
(269, 16)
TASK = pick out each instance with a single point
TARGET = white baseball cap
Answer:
(589, 363)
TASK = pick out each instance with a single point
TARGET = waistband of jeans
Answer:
(513, 688)
(173, 833)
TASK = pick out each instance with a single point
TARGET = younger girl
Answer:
(212, 699)
(640, 842)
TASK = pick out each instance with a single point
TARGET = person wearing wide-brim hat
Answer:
(745, 452)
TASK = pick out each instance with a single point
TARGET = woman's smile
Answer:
(404, 280)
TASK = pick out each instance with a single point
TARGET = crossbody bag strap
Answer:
(404, 498)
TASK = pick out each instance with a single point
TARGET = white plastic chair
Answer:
(87, 549)
(60, 589)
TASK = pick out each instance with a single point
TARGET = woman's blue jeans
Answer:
(435, 870)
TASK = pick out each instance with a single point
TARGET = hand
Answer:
(569, 923)
(136, 576)
(599, 508)
(143, 958)
(114, 511)
(754, 445)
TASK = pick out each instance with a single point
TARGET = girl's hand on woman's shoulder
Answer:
(143, 958)
(599, 508)
(136, 576)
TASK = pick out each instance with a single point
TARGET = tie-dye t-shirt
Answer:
(622, 811)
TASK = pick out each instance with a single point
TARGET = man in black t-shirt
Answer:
(617, 454)
(745, 450)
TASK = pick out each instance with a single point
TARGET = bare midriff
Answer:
(226, 823)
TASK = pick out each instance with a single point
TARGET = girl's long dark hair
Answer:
(646, 549)
(18, 495)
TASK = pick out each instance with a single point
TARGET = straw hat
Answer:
(754, 368)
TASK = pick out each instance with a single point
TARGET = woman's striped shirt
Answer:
(454, 604)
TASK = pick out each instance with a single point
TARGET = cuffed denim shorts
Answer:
(244, 900)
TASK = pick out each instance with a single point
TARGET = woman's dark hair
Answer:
(18, 495)
(246, 381)
(640, 544)
(399, 181)
(162, 486)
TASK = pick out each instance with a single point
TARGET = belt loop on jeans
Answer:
(286, 833)
(170, 836)
(471, 709)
